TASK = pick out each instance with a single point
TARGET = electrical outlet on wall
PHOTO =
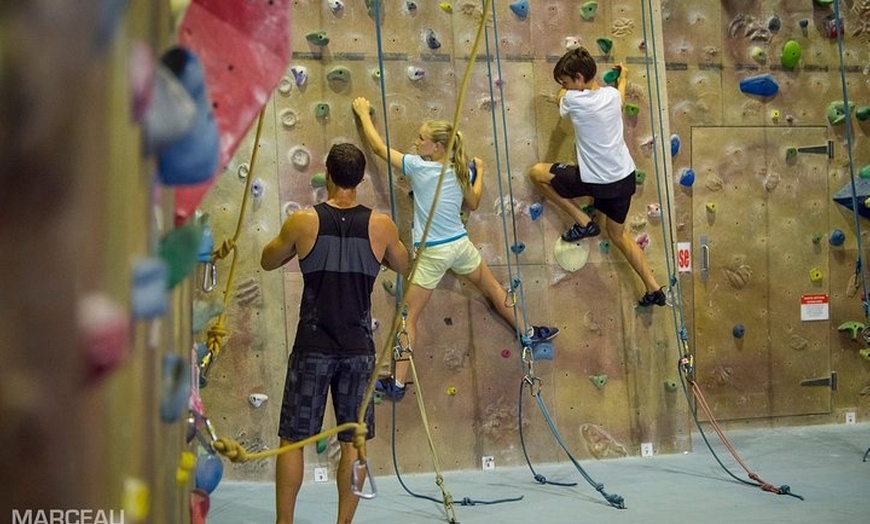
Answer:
(487, 463)
(850, 417)
(321, 475)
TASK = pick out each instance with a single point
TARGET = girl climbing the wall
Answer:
(448, 247)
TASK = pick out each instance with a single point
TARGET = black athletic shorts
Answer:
(612, 199)
(310, 377)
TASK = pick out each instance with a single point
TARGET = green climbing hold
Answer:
(598, 380)
(865, 354)
(463, 216)
(390, 286)
(605, 44)
(179, 249)
(611, 76)
(604, 247)
(322, 444)
(823, 2)
(758, 54)
(791, 54)
(321, 110)
(670, 386)
(318, 180)
(863, 113)
(317, 38)
(588, 10)
(639, 177)
(632, 109)
(837, 112)
(339, 73)
(865, 172)
(791, 153)
(817, 238)
(853, 327)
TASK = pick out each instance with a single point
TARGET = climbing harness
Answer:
(685, 363)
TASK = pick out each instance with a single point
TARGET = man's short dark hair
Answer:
(576, 62)
(346, 165)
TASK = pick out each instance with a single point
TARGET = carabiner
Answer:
(355, 481)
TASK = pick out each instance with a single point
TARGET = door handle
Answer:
(705, 258)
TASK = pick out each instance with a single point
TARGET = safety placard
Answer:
(814, 307)
(684, 257)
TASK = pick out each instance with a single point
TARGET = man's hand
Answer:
(361, 106)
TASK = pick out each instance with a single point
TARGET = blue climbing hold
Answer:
(738, 331)
(518, 248)
(175, 393)
(472, 172)
(520, 8)
(675, 145)
(432, 40)
(209, 470)
(543, 351)
(837, 238)
(536, 210)
(760, 85)
(687, 178)
(862, 192)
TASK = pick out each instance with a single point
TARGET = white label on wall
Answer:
(814, 307)
(684, 257)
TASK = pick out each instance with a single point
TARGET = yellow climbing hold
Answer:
(451, 390)
(853, 327)
(711, 207)
(447, 6)
(816, 275)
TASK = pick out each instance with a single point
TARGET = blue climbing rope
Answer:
(685, 361)
(859, 266)
(516, 282)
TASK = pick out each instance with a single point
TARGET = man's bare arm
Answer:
(282, 248)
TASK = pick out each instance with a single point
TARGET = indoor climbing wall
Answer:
(756, 98)
(611, 383)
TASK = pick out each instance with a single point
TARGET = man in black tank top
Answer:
(341, 246)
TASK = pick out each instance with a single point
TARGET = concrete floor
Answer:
(821, 463)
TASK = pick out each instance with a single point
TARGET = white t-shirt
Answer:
(447, 225)
(602, 154)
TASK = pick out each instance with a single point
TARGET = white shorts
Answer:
(459, 256)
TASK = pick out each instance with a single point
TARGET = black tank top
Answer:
(338, 274)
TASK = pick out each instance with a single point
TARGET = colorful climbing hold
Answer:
(588, 10)
(179, 249)
(710, 207)
(518, 248)
(605, 44)
(451, 390)
(336, 6)
(837, 112)
(774, 24)
(816, 275)
(257, 399)
(817, 238)
(322, 445)
(520, 8)
(837, 238)
(791, 153)
(687, 177)
(415, 73)
(446, 6)
(639, 177)
(598, 380)
(853, 327)
(300, 75)
(833, 26)
(338, 73)
(317, 38)
(321, 110)
(432, 40)
(632, 109)
(318, 179)
(611, 76)
(390, 286)
(604, 247)
(505, 353)
(675, 145)
(791, 54)
(759, 85)
(543, 351)
(863, 113)
(670, 385)
(865, 172)
(536, 210)
(209, 470)
(376, 74)
(738, 330)
(654, 210)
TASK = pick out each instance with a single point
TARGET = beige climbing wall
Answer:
(767, 208)
(462, 343)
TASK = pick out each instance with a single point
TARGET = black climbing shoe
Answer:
(657, 298)
(578, 232)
